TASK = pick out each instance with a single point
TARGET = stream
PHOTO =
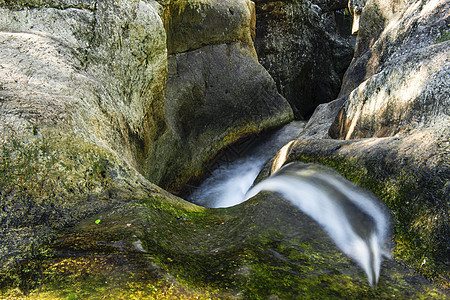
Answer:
(228, 184)
(354, 218)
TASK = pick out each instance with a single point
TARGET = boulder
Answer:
(217, 93)
(299, 44)
(83, 113)
(77, 81)
(194, 24)
(104, 65)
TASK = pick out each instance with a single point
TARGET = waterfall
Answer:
(356, 220)
(228, 184)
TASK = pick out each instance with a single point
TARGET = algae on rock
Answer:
(82, 111)
(74, 89)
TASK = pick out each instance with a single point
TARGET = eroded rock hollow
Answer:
(106, 105)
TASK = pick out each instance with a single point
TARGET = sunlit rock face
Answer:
(356, 7)
(299, 44)
(216, 91)
(396, 81)
(106, 63)
(101, 65)
(83, 112)
(77, 82)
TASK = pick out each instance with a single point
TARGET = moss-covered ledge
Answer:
(51, 179)
(150, 248)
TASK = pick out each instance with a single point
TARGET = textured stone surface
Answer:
(214, 96)
(298, 43)
(82, 109)
(217, 92)
(397, 79)
(104, 65)
(82, 105)
(76, 85)
(193, 24)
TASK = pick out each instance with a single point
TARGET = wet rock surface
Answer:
(262, 248)
(390, 126)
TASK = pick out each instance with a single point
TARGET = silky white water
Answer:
(356, 221)
(228, 184)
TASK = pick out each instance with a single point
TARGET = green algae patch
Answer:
(106, 276)
(50, 181)
(29, 4)
(263, 248)
(150, 244)
(106, 260)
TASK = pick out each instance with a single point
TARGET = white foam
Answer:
(227, 185)
(326, 198)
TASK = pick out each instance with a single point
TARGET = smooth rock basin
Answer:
(104, 104)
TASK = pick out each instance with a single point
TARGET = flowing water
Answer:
(355, 219)
(228, 184)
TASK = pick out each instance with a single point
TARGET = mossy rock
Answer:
(193, 24)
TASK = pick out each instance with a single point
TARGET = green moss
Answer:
(255, 251)
(103, 276)
(27, 4)
(444, 36)
(260, 248)
(48, 182)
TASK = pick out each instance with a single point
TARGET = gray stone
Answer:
(216, 93)
(214, 96)
(75, 85)
(396, 80)
(194, 24)
(83, 113)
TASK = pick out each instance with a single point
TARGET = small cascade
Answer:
(355, 219)
(228, 184)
